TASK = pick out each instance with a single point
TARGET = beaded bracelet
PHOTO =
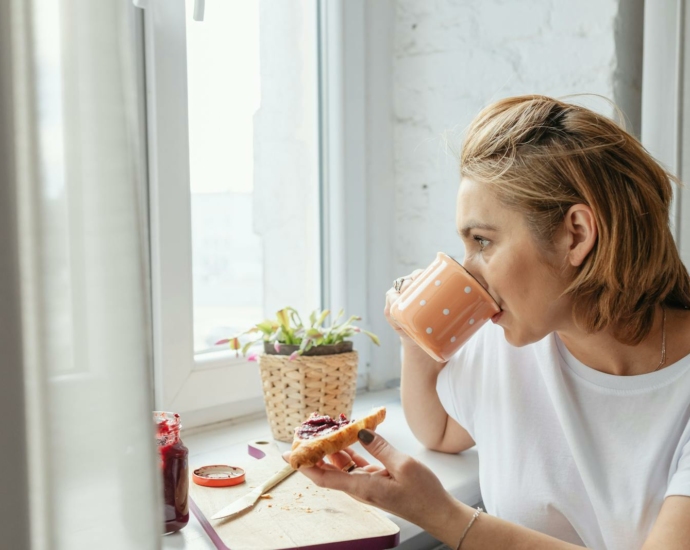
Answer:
(474, 517)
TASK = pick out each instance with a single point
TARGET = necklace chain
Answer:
(663, 340)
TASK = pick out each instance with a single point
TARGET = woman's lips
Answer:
(496, 317)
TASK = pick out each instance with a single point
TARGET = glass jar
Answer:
(174, 466)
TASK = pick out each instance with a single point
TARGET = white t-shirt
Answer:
(583, 456)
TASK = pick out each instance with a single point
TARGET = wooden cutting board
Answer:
(298, 514)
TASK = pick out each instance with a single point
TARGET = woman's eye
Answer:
(481, 241)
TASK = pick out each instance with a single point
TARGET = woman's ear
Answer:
(581, 233)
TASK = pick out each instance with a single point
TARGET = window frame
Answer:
(665, 106)
(181, 382)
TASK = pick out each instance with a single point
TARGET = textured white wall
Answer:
(452, 57)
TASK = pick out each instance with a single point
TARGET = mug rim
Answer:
(483, 290)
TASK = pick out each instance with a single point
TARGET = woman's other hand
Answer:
(402, 485)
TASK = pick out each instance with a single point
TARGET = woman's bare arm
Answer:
(671, 530)
(424, 413)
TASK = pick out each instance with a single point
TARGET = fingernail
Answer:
(365, 436)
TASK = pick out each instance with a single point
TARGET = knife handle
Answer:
(275, 479)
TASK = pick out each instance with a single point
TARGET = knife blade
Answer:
(248, 500)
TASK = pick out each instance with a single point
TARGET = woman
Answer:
(578, 397)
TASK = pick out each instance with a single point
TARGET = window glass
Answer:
(224, 95)
(252, 89)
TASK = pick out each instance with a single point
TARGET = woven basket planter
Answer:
(325, 384)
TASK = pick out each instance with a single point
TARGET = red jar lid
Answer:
(218, 475)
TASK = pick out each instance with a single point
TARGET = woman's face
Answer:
(502, 255)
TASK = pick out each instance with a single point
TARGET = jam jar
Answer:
(174, 465)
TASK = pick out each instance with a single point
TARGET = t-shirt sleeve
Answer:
(459, 383)
(679, 481)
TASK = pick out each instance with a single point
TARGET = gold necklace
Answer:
(663, 340)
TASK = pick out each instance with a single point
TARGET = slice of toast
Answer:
(308, 452)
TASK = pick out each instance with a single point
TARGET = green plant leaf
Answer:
(283, 319)
(325, 313)
(279, 337)
(235, 343)
(267, 327)
(296, 319)
(373, 337)
(288, 335)
(314, 333)
(304, 345)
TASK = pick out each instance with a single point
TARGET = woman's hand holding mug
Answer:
(394, 292)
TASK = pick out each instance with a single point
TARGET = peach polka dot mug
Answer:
(443, 307)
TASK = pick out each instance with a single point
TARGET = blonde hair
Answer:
(541, 156)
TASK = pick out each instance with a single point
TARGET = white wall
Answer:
(452, 58)
(432, 65)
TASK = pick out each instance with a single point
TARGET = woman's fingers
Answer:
(341, 460)
(380, 449)
(409, 278)
(331, 477)
(392, 295)
(402, 283)
(356, 457)
(376, 445)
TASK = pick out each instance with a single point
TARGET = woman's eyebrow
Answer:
(465, 231)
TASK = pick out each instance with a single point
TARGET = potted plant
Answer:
(304, 368)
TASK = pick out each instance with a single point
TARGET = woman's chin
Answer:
(518, 339)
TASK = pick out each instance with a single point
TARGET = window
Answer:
(247, 203)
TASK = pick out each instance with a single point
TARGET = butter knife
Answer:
(248, 500)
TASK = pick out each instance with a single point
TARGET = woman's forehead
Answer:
(478, 207)
(476, 204)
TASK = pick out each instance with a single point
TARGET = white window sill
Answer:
(458, 473)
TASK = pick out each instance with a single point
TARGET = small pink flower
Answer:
(253, 356)
(223, 341)
(276, 346)
(293, 355)
(357, 329)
